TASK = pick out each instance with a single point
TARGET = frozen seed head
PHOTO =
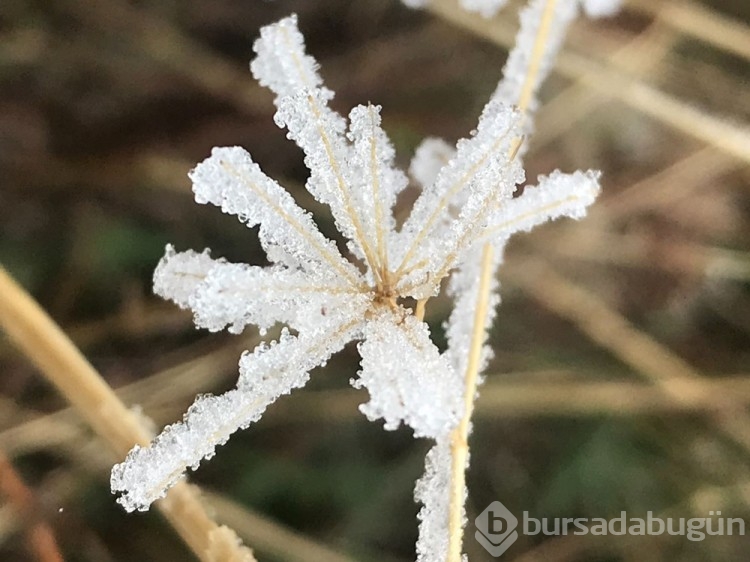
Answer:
(325, 298)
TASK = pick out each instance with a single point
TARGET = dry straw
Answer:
(63, 365)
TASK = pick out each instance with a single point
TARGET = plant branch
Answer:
(47, 347)
(460, 435)
(729, 137)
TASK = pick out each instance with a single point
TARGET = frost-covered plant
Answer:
(488, 8)
(323, 298)
(473, 285)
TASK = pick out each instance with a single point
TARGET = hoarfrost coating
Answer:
(324, 298)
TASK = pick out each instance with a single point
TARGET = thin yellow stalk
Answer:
(47, 347)
(459, 436)
(608, 79)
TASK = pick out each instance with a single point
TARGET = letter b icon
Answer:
(496, 528)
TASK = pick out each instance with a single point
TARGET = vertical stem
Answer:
(58, 359)
(530, 85)
(460, 435)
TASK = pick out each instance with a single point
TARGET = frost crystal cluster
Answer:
(325, 299)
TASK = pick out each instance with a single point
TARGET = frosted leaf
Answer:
(265, 374)
(222, 294)
(433, 492)
(407, 378)
(481, 174)
(601, 8)
(517, 67)
(148, 472)
(281, 63)
(320, 133)
(178, 274)
(377, 181)
(556, 195)
(429, 158)
(231, 180)
(486, 8)
(236, 295)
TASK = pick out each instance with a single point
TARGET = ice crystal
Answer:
(325, 299)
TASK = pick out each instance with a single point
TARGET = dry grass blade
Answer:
(42, 341)
(675, 377)
(640, 57)
(572, 398)
(525, 395)
(39, 535)
(167, 45)
(161, 393)
(722, 134)
(266, 535)
(697, 21)
(686, 176)
(281, 542)
(600, 246)
(460, 436)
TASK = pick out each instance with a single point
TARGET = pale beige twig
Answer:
(673, 375)
(525, 395)
(269, 536)
(641, 56)
(700, 22)
(39, 534)
(459, 436)
(42, 341)
(160, 393)
(724, 135)
(597, 245)
(689, 174)
(265, 534)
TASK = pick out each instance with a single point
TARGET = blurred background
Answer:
(622, 347)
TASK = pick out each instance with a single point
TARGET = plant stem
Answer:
(460, 435)
(47, 347)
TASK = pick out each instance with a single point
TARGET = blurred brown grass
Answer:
(105, 106)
